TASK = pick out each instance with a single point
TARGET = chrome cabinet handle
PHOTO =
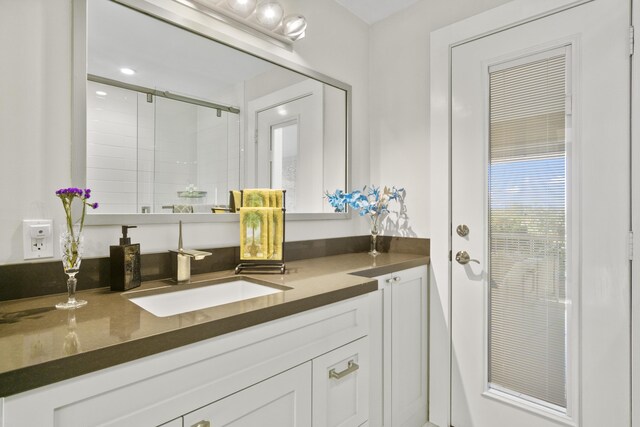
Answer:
(351, 367)
(202, 423)
(393, 279)
(463, 258)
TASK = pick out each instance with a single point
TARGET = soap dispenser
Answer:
(125, 263)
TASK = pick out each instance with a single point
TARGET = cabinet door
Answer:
(283, 400)
(409, 325)
(341, 386)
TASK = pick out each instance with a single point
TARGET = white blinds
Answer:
(527, 237)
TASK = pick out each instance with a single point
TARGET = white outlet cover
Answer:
(37, 238)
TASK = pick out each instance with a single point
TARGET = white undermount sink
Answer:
(176, 301)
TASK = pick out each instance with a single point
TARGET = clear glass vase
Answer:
(375, 230)
(71, 245)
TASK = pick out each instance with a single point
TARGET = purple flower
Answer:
(67, 195)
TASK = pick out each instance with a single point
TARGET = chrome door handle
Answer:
(352, 366)
(463, 258)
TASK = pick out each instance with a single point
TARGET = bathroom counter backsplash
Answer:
(40, 345)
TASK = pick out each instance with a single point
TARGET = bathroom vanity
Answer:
(345, 344)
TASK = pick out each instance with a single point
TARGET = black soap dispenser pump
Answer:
(125, 263)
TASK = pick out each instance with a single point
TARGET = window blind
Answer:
(527, 230)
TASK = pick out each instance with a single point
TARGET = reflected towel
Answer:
(235, 200)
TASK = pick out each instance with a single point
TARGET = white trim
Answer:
(442, 41)
(635, 225)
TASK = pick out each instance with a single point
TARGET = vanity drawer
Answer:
(341, 386)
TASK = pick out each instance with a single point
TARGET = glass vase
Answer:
(375, 230)
(71, 245)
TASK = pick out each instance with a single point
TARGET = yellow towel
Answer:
(256, 197)
(261, 233)
(235, 200)
(278, 233)
(262, 197)
(254, 233)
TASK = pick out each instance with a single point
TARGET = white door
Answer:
(540, 190)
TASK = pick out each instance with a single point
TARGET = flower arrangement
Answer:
(67, 196)
(71, 248)
(370, 201)
(71, 241)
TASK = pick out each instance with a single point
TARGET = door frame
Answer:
(442, 42)
(635, 225)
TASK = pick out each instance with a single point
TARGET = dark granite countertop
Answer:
(40, 345)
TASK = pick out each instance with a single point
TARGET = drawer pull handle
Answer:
(202, 423)
(351, 367)
(393, 279)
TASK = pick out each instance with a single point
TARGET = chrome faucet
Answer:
(181, 260)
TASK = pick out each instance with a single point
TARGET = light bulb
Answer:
(269, 14)
(242, 7)
(294, 26)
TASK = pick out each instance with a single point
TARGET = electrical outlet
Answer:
(37, 238)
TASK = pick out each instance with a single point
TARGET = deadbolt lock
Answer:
(462, 230)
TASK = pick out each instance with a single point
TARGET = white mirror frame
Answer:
(198, 23)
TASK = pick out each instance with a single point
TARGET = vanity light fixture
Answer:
(243, 8)
(127, 71)
(269, 14)
(258, 17)
(294, 26)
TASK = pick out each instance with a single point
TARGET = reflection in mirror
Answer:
(175, 121)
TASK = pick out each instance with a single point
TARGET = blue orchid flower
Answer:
(371, 200)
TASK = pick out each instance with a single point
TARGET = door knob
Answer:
(463, 258)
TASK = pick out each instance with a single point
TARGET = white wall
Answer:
(36, 122)
(399, 99)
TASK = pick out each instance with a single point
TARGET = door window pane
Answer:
(527, 229)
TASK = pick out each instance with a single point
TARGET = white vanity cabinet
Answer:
(331, 390)
(399, 339)
(265, 371)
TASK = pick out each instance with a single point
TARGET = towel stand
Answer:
(261, 266)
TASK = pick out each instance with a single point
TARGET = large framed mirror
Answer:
(175, 120)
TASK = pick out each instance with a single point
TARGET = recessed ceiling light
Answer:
(127, 71)
(101, 93)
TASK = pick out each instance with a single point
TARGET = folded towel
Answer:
(262, 197)
(278, 233)
(256, 197)
(261, 233)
